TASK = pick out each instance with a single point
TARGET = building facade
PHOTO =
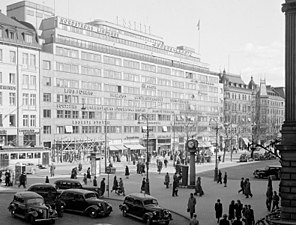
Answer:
(19, 89)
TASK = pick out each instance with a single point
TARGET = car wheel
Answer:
(124, 212)
(148, 221)
(92, 213)
(32, 220)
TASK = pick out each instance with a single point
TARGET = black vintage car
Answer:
(84, 202)
(146, 208)
(47, 191)
(271, 170)
(31, 207)
(63, 184)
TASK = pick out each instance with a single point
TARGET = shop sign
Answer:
(90, 122)
(77, 91)
(29, 131)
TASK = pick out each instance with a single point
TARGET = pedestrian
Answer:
(218, 210)
(175, 185)
(268, 198)
(95, 182)
(194, 220)
(143, 185)
(242, 186)
(237, 221)
(52, 169)
(165, 161)
(250, 220)
(225, 179)
(46, 180)
(248, 191)
(88, 176)
(85, 179)
(102, 187)
(121, 188)
(191, 205)
(238, 209)
(159, 166)
(7, 178)
(269, 182)
(231, 211)
(219, 180)
(198, 188)
(127, 173)
(275, 201)
(167, 180)
(115, 185)
(22, 180)
(224, 220)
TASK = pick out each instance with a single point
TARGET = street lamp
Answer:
(147, 187)
(216, 152)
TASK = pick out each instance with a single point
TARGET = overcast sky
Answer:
(246, 37)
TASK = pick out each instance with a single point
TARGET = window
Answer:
(46, 81)
(33, 120)
(46, 129)
(33, 81)
(68, 114)
(75, 114)
(1, 101)
(12, 78)
(28, 38)
(25, 99)
(25, 120)
(46, 97)
(46, 65)
(75, 129)
(60, 114)
(12, 99)
(32, 99)
(59, 98)
(25, 80)
(1, 53)
(12, 121)
(25, 59)
(46, 113)
(12, 56)
(60, 130)
(32, 60)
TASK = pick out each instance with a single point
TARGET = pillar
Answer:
(288, 145)
(192, 169)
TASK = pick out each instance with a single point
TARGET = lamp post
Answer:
(147, 187)
(216, 152)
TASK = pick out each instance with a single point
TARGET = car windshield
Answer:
(90, 195)
(35, 201)
(151, 202)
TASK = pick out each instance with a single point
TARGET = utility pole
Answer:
(105, 140)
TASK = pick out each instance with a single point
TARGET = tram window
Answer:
(13, 156)
(29, 155)
(22, 156)
(4, 156)
(37, 155)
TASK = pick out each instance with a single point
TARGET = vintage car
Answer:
(47, 191)
(146, 208)
(84, 202)
(63, 184)
(244, 157)
(271, 170)
(31, 207)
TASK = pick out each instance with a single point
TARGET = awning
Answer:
(246, 141)
(113, 148)
(120, 147)
(204, 144)
(134, 146)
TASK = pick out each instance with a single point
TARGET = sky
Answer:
(244, 37)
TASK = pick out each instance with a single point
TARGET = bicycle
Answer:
(274, 215)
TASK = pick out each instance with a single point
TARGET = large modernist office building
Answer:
(107, 83)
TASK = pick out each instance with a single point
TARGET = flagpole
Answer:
(198, 27)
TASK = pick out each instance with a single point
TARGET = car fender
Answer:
(123, 206)
(147, 215)
(92, 207)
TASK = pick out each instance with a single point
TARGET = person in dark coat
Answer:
(231, 211)
(175, 185)
(224, 220)
(238, 209)
(237, 221)
(88, 176)
(7, 178)
(46, 179)
(219, 180)
(95, 182)
(248, 191)
(242, 186)
(115, 185)
(167, 180)
(225, 179)
(127, 173)
(218, 210)
(22, 180)
(198, 188)
(275, 201)
(143, 185)
(191, 205)
(102, 187)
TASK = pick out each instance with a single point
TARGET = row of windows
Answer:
(29, 120)
(29, 100)
(10, 79)
(23, 155)
(11, 34)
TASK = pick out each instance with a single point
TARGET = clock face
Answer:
(190, 144)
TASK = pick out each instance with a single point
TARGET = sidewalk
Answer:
(205, 204)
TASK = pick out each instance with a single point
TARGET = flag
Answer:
(198, 25)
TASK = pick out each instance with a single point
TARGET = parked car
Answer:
(244, 157)
(30, 206)
(85, 202)
(146, 208)
(271, 170)
(63, 184)
(47, 191)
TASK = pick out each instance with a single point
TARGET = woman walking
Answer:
(167, 180)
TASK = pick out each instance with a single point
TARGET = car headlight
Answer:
(154, 213)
